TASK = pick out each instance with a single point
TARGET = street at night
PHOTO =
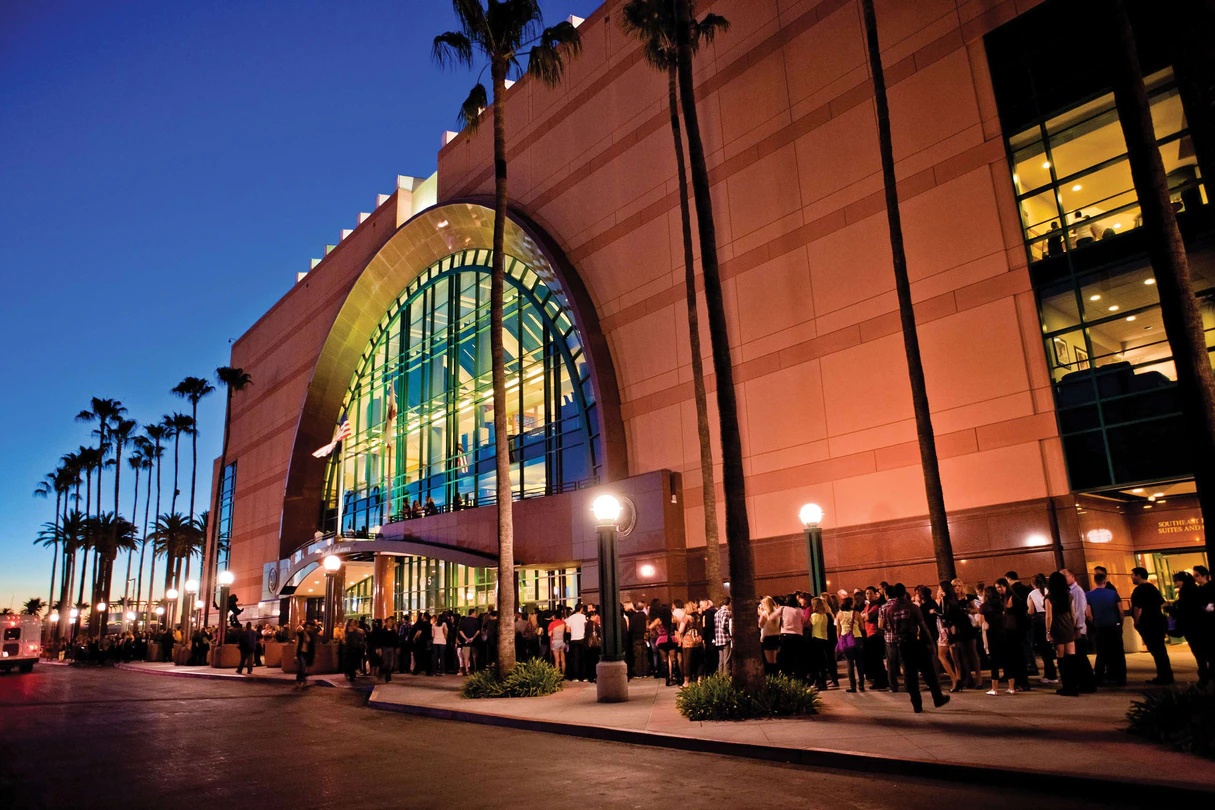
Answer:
(107, 738)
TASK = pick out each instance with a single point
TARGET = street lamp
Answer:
(225, 580)
(332, 565)
(169, 612)
(811, 515)
(611, 673)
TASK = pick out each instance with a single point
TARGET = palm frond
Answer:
(470, 110)
(472, 17)
(708, 27)
(547, 59)
(452, 48)
(512, 24)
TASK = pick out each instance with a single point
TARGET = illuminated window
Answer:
(421, 401)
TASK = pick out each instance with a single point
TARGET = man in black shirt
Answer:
(636, 639)
(1146, 602)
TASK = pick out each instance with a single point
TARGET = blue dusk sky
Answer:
(166, 168)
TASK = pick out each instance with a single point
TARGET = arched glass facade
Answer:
(420, 404)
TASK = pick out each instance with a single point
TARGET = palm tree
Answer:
(109, 534)
(747, 666)
(145, 454)
(178, 424)
(176, 538)
(1179, 307)
(50, 483)
(502, 34)
(103, 412)
(33, 606)
(120, 434)
(233, 380)
(653, 22)
(91, 458)
(135, 462)
(942, 546)
(71, 466)
(156, 434)
(193, 389)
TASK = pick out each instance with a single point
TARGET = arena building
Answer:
(1050, 379)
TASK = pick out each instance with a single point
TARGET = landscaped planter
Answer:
(181, 654)
(225, 656)
(324, 662)
(273, 656)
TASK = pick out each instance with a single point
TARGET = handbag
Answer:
(846, 642)
(594, 640)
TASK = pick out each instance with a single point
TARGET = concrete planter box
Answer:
(325, 661)
(225, 656)
(181, 654)
(153, 655)
(273, 656)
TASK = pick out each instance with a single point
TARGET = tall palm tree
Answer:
(178, 424)
(145, 454)
(747, 665)
(653, 22)
(942, 546)
(50, 483)
(234, 380)
(135, 462)
(1179, 307)
(104, 412)
(72, 467)
(193, 389)
(176, 538)
(109, 534)
(91, 459)
(33, 606)
(156, 433)
(501, 34)
(119, 434)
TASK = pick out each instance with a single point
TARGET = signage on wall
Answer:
(1181, 526)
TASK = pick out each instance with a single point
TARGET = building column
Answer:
(384, 585)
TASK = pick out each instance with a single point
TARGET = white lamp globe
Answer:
(53, 618)
(101, 606)
(606, 510)
(332, 563)
(226, 578)
(191, 586)
(171, 593)
(160, 611)
(74, 614)
(810, 515)
(130, 615)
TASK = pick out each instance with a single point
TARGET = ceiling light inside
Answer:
(1149, 281)
(1077, 187)
(1114, 308)
(1094, 298)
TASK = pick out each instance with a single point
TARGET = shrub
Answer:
(528, 679)
(1183, 719)
(717, 698)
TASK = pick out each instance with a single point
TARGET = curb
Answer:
(215, 676)
(1108, 790)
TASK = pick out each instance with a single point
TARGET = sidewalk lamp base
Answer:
(612, 682)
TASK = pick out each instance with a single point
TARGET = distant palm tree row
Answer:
(83, 529)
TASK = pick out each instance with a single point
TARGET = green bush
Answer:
(1183, 719)
(528, 679)
(717, 698)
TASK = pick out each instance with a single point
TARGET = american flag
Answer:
(344, 431)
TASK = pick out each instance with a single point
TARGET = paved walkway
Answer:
(263, 674)
(1037, 733)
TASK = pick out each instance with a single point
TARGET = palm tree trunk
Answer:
(712, 550)
(143, 547)
(126, 583)
(50, 599)
(1178, 305)
(748, 663)
(506, 526)
(1195, 69)
(211, 555)
(942, 547)
(176, 464)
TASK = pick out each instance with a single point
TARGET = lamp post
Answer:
(187, 615)
(225, 580)
(332, 564)
(611, 673)
(168, 613)
(811, 515)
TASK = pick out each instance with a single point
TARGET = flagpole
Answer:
(341, 488)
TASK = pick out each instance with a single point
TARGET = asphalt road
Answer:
(89, 738)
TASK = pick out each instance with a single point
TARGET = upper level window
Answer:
(1073, 180)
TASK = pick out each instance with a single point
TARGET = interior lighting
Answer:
(1149, 281)
(1130, 317)
(191, 586)
(1117, 225)
(1158, 495)
(1100, 536)
(1094, 297)
(1137, 490)
(1151, 497)
(1147, 506)
(1114, 308)
(1077, 187)
(130, 615)
(647, 570)
(1037, 540)
(1046, 165)
(810, 515)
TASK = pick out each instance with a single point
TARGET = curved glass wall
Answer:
(421, 402)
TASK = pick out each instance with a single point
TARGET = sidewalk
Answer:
(1067, 744)
(262, 674)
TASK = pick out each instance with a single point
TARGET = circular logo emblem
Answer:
(272, 578)
(628, 516)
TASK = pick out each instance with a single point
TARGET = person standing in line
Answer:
(404, 644)
(708, 617)
(848, 624)
(1036, 606)
(1189, 614)
(576, 626)
(906, 624)
(557, 630)
(438, 647)
(423, 642)
(1206, 599)
(1104, 618)
(1146, 604)
(893, 662)
(388, 648)
(1022, 631)
(594, 643)
(819, 645)
(246, 642)
(1061, 632)
(769, 633)
(874, 649)
(1086, 681)
(305, 652)
(641, 655)
(792, 656)
(468, 629)
(723, 635)
(992, 612)
(353, 646)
